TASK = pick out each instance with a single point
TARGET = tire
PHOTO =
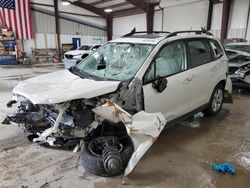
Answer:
(94, 164)
(216, 101)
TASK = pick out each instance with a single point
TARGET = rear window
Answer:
(243, 48)
(218, 52)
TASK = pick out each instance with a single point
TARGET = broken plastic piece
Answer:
(224, 167)
(10, 103)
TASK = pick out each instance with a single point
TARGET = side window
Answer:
(170, 60)
(218, 52)
(199, 53)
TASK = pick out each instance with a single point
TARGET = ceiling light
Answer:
(108, 10)
(65, 2)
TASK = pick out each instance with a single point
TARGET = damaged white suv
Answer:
(119, 99)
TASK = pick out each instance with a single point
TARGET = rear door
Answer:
(202, 67)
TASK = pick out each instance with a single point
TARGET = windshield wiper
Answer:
(82, 74)
(75, 71)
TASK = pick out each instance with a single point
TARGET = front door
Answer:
(175, 99)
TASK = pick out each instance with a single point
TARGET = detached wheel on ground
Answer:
(107, 156)
(216, 101)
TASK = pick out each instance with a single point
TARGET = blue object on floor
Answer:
(224, 167)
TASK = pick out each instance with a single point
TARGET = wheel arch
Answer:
(84, 55)
(222, 82)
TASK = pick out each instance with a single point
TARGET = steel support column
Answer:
(57, 21)
(109, 23)
(225, 18)
(210, 13)
(150, 18)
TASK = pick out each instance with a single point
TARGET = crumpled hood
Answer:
(76, 52)
(62, 86)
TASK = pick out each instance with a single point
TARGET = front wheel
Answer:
(107, 156)
(216, 101)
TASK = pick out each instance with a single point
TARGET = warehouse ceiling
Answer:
(119, 7)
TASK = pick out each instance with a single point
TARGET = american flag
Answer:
(15, 15)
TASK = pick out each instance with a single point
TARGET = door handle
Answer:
(213, 69)
(187, 80)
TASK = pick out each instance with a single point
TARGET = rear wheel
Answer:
(216, 101)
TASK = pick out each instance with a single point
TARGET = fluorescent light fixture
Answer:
(65, 2)
(108, 10)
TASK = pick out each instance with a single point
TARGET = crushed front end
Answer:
(115, 130)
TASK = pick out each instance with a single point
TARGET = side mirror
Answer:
(160, 84)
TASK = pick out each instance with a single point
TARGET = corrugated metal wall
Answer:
(44, 23)
(45, 37)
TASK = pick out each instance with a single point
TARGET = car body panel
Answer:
(169, 102)
(143, 128)
(62, 86)
(75, 52)
(236, 72)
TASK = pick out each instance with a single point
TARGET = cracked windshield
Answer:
(118, 61)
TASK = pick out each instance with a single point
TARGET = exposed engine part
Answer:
(130, 97)
(109, 148)
(61, 108)
(112, 161)
(83, 117)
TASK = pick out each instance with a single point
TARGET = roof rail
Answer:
(202, 31)
(133, 31)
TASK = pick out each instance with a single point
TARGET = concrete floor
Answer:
(181, 156)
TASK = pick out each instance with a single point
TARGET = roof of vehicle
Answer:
(155, 37)
(145, 39)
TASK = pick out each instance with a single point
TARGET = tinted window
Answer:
(95, 47)
(231, 53)
(218, 52)
(199, 53)
(170, 60)
(239, 59)
(243, 48)
(85, 47)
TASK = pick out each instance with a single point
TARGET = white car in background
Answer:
(73, 57)
(239, 63)
(239, 46)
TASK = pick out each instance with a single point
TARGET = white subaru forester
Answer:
(119, 98)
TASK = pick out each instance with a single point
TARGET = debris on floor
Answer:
(193, 122)
(224, 167)
(243, 158)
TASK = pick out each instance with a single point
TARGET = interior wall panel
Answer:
(124, 25)
(190, 16)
